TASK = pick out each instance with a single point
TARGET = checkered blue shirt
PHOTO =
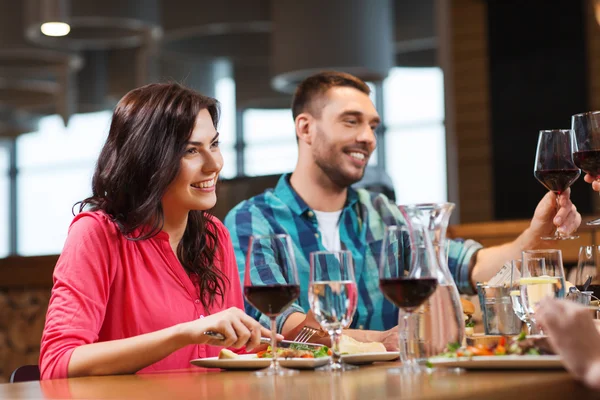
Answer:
(362, 223)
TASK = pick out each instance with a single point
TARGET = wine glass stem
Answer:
(529, 328)
(557, 232)
(403, 340)
(336, 335)
(275, 362)
(410, 355)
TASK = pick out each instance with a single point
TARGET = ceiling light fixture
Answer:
(55, 29)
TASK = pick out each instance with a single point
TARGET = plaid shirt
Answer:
(362, 223)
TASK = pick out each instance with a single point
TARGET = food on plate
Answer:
(225, 354)
(350, 345)
(296, 351)
(468, 310)
(520, 345)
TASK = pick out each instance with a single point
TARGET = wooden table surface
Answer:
(369, 382)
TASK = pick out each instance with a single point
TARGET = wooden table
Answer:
(370, 382)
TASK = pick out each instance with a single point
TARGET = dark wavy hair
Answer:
(150, 128)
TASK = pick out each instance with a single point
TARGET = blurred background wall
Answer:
(463, 87)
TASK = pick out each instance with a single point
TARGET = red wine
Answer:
(271, 300)
(557, 180)
(588, 160)
(408, 293)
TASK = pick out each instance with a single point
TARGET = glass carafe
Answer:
(440, 320)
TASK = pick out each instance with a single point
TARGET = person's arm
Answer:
(82, 279)
(545, 220)
(126, 356)
(574, 336)
(296, 321)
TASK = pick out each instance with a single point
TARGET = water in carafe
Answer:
(440, 320)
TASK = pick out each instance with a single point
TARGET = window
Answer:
(55, 167)
(4, 199)
(225, 93)
(415, 139)
(270, 138)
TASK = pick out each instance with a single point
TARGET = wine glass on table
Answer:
(515, 296)
(405, 283)
(586, 127)
(586, 277)
(542, 276)
(555, 168)
(333, 296)
(271, 297)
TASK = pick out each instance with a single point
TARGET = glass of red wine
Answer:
(586, 127)
(271, 293)
(405, 283)
(555, 168)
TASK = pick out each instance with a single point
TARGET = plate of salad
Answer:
(520, 352)
(297, 357)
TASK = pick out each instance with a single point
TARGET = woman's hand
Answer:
(238, 328)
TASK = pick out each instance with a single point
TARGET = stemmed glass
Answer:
(404, 283)
(515, 296)
(267, 254)
(333, 296)
(587, 268)
(542, 275)
(586, 127)
(554, 166)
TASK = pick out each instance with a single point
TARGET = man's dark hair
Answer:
(313, 88)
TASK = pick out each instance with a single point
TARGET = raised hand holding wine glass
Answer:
(333, 296)
(273, 297)
(555, 168)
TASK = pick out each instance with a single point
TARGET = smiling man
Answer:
(335, 123)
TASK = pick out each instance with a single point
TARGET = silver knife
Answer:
(284, 344)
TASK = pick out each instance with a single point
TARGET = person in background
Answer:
(335, 122)
(145, 269)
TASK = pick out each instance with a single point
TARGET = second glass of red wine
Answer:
(555, 168)
(405, 283)
(271, 285)
(586, 127)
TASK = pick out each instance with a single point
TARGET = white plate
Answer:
(500, 362)
(368, 358)
(250, 361)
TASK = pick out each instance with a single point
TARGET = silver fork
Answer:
(305, 334)
(302, 337)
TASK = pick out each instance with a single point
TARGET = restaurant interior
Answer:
(463, 88)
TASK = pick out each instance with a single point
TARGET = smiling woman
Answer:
(146, 270)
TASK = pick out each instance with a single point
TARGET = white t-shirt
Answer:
(329, 223)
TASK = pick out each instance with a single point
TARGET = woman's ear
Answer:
(304, 123)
